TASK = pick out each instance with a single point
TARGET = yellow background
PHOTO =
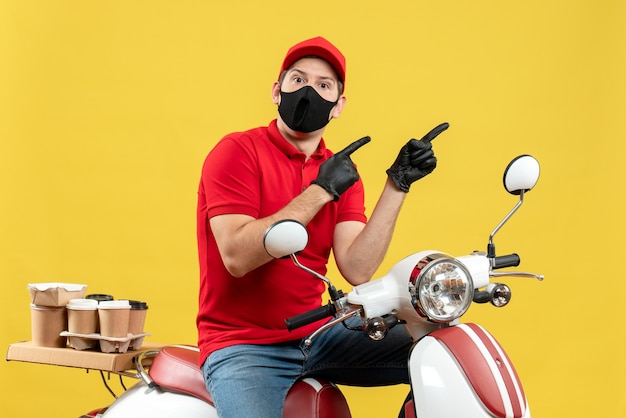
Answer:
(108, 108)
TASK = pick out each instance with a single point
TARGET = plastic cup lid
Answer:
(114, 304)
(99, 297)
(82, 304)
(137, 304)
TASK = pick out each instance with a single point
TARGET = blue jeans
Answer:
(253, 380)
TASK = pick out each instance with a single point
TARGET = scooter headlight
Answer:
(442, 288)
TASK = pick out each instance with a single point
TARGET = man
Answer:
(254, 178)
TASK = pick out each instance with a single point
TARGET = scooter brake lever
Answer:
(539, 277)
(309, 341)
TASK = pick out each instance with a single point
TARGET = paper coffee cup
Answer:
(114, 317)
(82, 316)
(46, 325)
(99, 297)
(138, 311)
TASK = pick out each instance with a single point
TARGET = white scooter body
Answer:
(143, 401)
(463, 360)
(390, 292)
(462, 371)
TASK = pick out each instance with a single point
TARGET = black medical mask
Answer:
(304, 110)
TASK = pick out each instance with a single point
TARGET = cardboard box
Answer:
(95, 360)
(55, 294)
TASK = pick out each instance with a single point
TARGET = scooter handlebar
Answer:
(503, 261)
(309, 317)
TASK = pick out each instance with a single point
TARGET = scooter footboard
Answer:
(463, 371)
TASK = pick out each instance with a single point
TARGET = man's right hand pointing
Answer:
(338, 173)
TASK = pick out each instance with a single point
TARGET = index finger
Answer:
(354, 146)
(435, 131)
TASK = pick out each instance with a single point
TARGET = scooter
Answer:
(456, 369)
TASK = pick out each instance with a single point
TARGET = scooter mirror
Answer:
(284, 238)
(521, 174)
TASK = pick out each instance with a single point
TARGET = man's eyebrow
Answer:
(329, 78)
(304, 73)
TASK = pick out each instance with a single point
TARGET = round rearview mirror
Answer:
(521, 174)
(284, 238)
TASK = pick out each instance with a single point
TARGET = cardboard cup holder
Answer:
(107, 344)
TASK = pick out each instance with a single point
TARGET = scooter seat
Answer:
(175, 368)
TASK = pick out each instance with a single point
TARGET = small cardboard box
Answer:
(95, 360)
(55, 294)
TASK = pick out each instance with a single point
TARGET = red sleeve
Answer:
(230, 179)
(351, 204)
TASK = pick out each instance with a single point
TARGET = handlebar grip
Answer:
(503, 261)
(310, 316)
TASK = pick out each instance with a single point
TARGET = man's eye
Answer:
(298, 79)
(324, 85)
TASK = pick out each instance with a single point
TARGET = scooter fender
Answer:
(142, 401)
(462, 371)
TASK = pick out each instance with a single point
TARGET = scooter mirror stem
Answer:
(295, 260)
(491, 247)
(332, 291)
